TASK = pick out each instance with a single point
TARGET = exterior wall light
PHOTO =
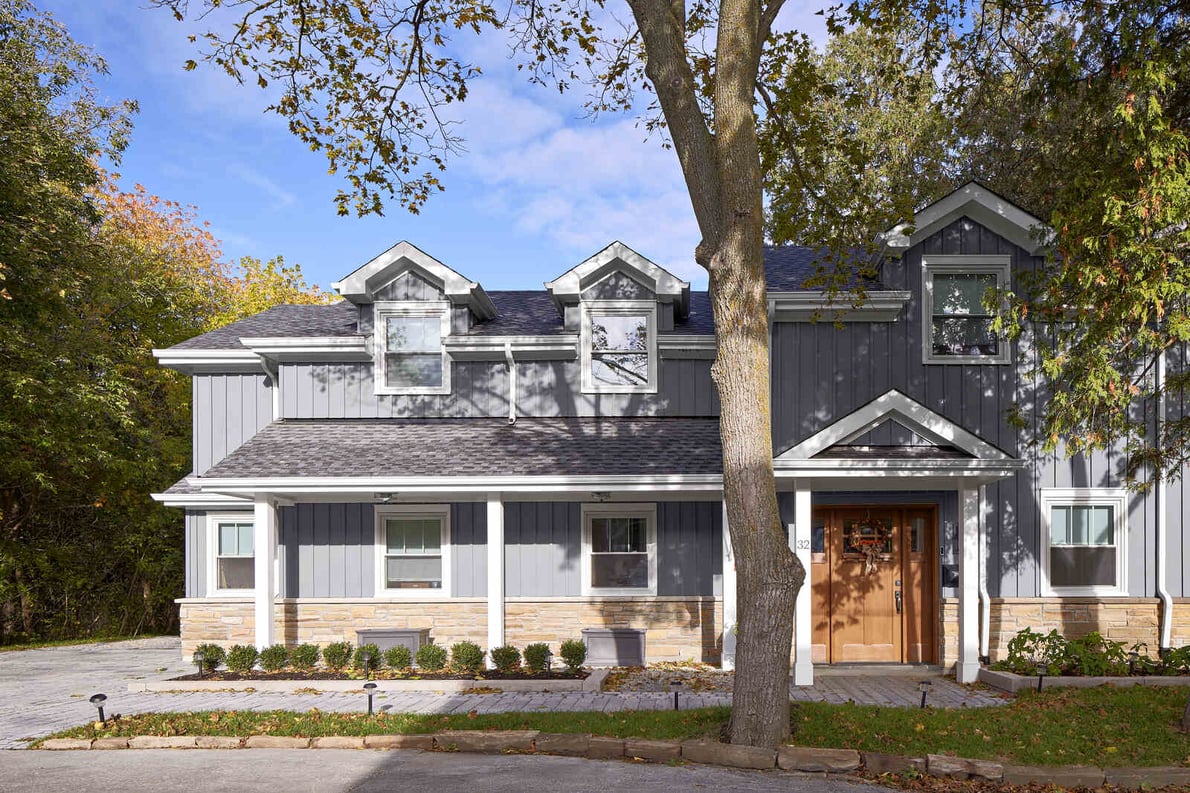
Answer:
(98, 700)
(369, 689)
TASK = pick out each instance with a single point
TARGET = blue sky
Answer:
(540, 188)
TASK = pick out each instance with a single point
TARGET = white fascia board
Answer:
(200, 500)
(196, 360)
(915, 417)
(359, 285)
(668, 342)
(462, 484)
(569, 286)
(981, 205)
(310, 348)
(527, 348)
(882, 306)
(885, 467)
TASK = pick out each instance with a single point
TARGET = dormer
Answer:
(410, 303)
(974, 201)
(619, 301)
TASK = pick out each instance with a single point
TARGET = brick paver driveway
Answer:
(42, 691)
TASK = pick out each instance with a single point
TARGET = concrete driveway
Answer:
(43, 691)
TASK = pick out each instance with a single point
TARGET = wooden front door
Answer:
(874, 596)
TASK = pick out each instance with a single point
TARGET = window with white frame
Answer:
(233, 563)
(619, 347)
(956, 317)
(1084, 537)
(619, 549)
(410, 354)
(413, 551)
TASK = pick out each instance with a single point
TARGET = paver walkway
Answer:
(43, 691)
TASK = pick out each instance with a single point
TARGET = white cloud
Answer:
(281, 198)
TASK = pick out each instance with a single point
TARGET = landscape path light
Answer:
(549, 662)
(198, 658)
(366, 657)
(1042, 669)
(924, 687)
(369, 689)
(98, 701)
(675, 686)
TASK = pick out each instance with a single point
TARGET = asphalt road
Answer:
(342, 770)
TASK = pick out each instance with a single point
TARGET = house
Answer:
(517, 466)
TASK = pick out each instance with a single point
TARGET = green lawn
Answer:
(5, 648)
(1102, 726)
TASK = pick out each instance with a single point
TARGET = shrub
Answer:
(1093, 655)
(506, 658)
(1029, 648)
(537, 656)
(372, 651)
(212, 656)
(398, 657)
(274, 659)
(573, 653)
(466, 657)
(431, 657)
(336, 655)
(304, 656)
(241, 658)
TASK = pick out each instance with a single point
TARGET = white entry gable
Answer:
(404, 258)
(975, 201)
(913, 416)
(618, 258)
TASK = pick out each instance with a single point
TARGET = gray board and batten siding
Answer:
(227, 410)
(480, 389)
(328, 550)
(822, 373)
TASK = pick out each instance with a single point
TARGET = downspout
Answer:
(272, 373)
(985, 600)
(1162, 519)
(511, 383)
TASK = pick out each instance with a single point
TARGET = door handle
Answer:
(897, 596)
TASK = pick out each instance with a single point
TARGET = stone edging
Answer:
(593, 682)
(787, 758)
(1012, 682)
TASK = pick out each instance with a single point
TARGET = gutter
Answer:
(1159, 497)
(985, 600)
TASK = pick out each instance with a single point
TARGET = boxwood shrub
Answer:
(212, 656)
(241, 658)
(274, 659)
(574, 652)
(506, 658)
(336, 655)
(370, 650)
(304, 657)
(537, 656)
(398, 657)
(466, 657)
(431, 657)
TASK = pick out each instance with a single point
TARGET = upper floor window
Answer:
(956, 319)
(410, 355)
(1084, 532)
(620, 347)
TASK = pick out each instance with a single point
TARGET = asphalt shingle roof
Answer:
(334, 319)
(477, 447)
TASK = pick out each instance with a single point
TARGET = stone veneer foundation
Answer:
(677, 628)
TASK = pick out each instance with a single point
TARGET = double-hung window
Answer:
(233, 570)
(413, 548)
(1085, 533)
(410, 354)
(619, 347)
(619, 549)
(956, 317)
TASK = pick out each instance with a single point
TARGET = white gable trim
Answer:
(981, 205)
(569, 286)
(912, 415)
(388, 266)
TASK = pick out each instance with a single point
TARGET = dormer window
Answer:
(410, 355)
(620, 347)
(956, 319)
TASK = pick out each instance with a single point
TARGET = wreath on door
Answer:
(869, 537)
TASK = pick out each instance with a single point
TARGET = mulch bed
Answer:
(384, 674)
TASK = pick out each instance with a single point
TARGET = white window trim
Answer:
(626, 510)
(382, 311)
(998, 265)
(440, 512)
(1086, 496)
(213, 521)
(619, 308)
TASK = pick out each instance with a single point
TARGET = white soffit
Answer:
(912, 415)
(980, 204)
(404, 256)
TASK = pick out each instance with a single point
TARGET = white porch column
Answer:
(495, 572)
(729, 598)
(264, 548)
(799, 541)
(967, 668)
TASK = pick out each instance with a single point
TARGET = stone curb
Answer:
(788, 758)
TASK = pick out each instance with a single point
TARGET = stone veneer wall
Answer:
(231, 621)
(677, 628)
(1128, 619)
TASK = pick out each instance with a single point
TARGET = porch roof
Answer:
(388, 448)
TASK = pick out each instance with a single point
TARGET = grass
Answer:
(1100, 726)
(38, 645)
